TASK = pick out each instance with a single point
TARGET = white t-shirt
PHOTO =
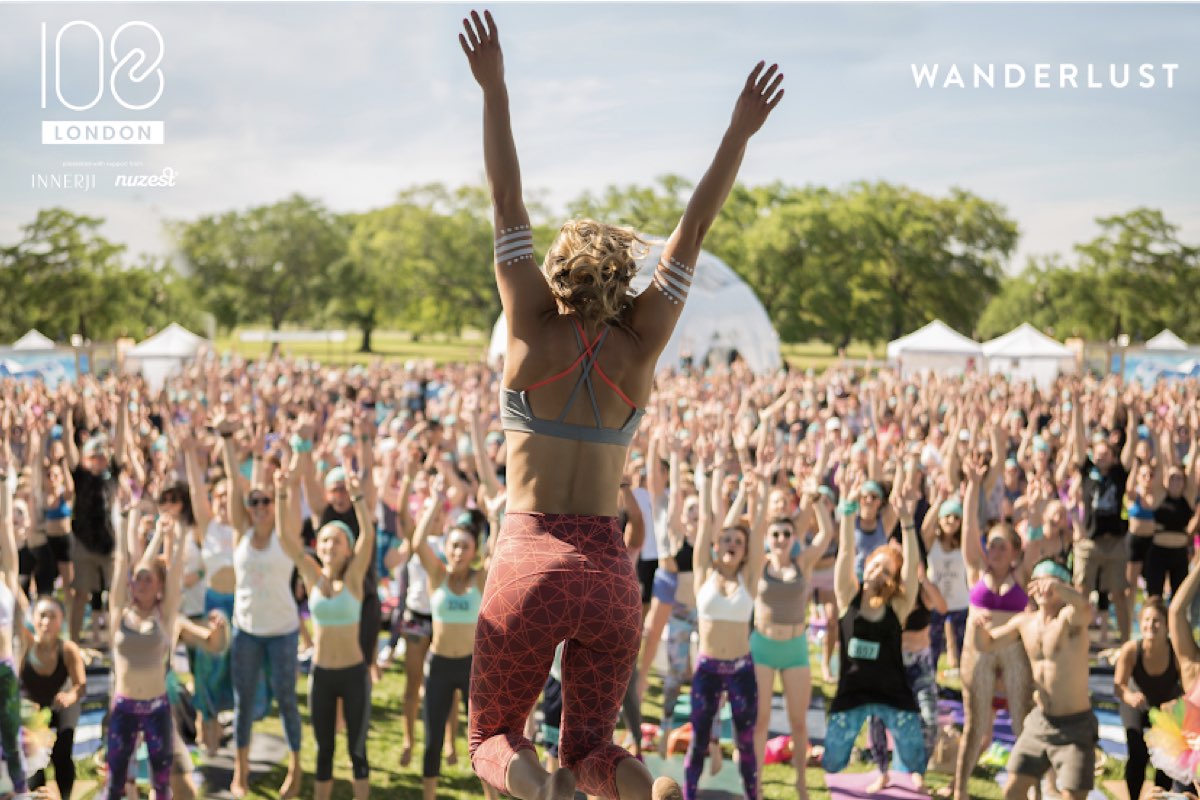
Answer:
(948, 572)
(650, 545)
(217, 550)
(263, 603)
(192, 602)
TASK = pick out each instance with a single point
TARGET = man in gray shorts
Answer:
(1061, 730)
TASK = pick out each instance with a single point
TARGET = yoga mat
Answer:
(952, 711)
(778, 725)
(853, 785)
(727, 780)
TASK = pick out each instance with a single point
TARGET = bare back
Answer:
(560, 476)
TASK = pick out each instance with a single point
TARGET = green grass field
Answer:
(390, 781)
(398, 346)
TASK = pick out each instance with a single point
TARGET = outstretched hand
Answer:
(757, 100)
(481, 43)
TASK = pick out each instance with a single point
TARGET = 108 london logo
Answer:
(135, 81)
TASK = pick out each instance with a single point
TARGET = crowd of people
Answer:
(511, 535)
(936, 529)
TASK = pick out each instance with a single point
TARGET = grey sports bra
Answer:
(516, 414)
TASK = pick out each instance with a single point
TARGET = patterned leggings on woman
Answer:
(153, 719)
(736, 678)
(922, 678)
(680, 628)
(555, 577)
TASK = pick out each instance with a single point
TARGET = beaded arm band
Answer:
(674, 280)
(513, 244)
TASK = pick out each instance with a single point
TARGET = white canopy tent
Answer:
(163, 353)
(1027, 354)
(1166, 340)
(936, 348)
(33, 340)
(721, 315)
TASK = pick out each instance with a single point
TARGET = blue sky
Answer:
(353, 102)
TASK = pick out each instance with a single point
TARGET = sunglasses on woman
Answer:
(780, 533)
(260, 501)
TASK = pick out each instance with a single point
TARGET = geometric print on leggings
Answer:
(555, 577)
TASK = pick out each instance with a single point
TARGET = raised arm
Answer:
(364, 546)
(234, 496)
(656, 312)
(197, 488)
(8, 538)
(524, 292)
(906, 600)
(810, 555)
(431, 520)
(972, 548)
(173, 538)
(702, 551)
(845, 585)
(1178, 625)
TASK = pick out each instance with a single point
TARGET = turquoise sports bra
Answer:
(341, 609)
(516, 414)
(446, 606)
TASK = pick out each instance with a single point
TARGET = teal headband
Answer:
(873, 486)
(334, 477)
(1051, 569)
(344, 528)
(950, 508)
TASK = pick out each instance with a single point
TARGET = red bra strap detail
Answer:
(586, 352)
(615, 388)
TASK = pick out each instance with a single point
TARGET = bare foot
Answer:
(239, 787)
(827, 672)
(406, 754)
(290, 787)
(918, 783)
(878, 785)
(666, 789)
(945, 792)
(450, 754)
(559, 785)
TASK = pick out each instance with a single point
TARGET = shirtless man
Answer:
(1061, 730)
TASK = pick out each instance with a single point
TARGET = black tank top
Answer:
(872, 665)
(683, 558)
(918, 618)
(1158, 689)
(1174, 514)
(39, 688)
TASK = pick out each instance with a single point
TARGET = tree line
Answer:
(867, 262)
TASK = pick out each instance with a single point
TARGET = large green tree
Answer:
(268, 264)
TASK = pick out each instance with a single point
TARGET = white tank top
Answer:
(650, 544)
(218, 547)
(263, 603)
(7, 605)
(948, 572)
(416, 599)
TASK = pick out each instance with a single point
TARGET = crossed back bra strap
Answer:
(587, 360)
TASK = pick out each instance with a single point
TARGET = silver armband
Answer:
(673, 279)
(513, 244)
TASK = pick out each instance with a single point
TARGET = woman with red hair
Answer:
(871, 680)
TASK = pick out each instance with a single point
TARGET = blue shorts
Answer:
(664, 586)
(779, 654)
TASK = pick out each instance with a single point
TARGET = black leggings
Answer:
(352, 685)
(443, 676)
(631, 710)
(1135, 767)
(64, 765)
(1162, 562)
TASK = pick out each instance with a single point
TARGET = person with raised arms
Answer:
(560, 563)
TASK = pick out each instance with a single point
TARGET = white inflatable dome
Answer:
(721, 314)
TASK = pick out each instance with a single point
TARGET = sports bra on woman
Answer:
(341, 609)
(1139, 511)
(683, 558)
(61, 510)
(1014, 600)
(712, 604)
(517, 415)
(456, 608)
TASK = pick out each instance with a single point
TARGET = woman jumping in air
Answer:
(560, 570)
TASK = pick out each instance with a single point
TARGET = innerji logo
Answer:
(129, 62)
